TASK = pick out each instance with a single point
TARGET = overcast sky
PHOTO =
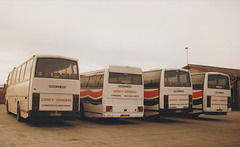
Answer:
(145, 33)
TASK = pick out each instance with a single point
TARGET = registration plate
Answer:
(178, 111)
(219, 110)
(56, 114)
(124, 116)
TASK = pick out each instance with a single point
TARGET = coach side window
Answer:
(152, 83)
(152, 79)
(198, 81)
(99, 80)
(91, 83)
(18, 74)
(22, 72)
(28, 69)
(14, 76)
(10, 78)
(84, 81)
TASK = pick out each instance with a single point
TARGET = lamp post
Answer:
(187, 55)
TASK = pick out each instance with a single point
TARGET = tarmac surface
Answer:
(207, 130)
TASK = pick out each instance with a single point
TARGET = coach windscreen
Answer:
(176, 78)
(56, 68)
(218, 82)
(125, 78)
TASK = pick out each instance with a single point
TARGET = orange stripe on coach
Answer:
(197, 94)
(91, 93)
(151, 94)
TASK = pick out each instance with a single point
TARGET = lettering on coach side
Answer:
(219, 92)
(130, 91)
(47, 99)
(57, 100)
(63, 100)
(58, 86)
(178, 91)
(124, 86)
(124, 91)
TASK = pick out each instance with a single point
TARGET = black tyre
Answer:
(7, 107)
(82, 116)
(19, 118)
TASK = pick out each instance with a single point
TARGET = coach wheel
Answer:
(81, 111)
(19, 118)
(7, 107)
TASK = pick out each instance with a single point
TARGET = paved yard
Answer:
(204, 131)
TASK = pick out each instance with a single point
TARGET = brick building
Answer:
(2, 94)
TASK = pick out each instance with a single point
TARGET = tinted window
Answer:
(28, 69)
(99, 81)
(84, 81)
(95, 81)
(218, 82)
(18, 74)
(152, 79)
(14, 76)
(91, 82)
(177, 78)
(56, 68)
(10, 78)
(152, 84)
(22, 72)
(198, 81)
(125, 78)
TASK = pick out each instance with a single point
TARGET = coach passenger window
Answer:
(137, 79)
(198, 81)
(91, 82)
(14, 76)
(84, 81)
(152, 83)
(18, 74)
(28, 69)
(22, 72)
(10, 78)
(99, 80)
